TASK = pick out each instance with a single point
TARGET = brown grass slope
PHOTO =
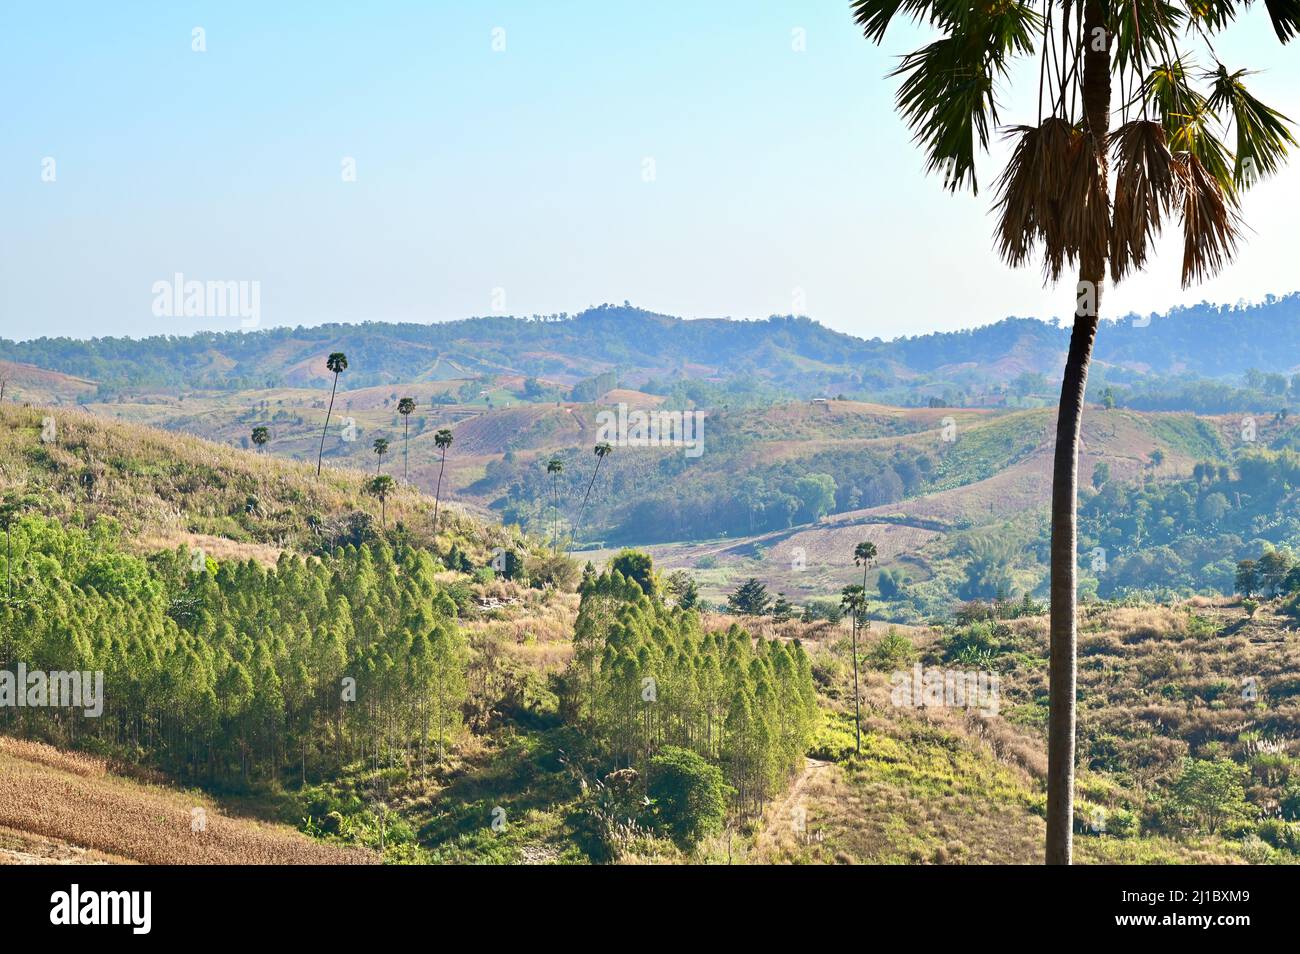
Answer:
(62, 807)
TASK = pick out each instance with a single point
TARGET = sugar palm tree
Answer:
(381, 448)
(555, 467)
(1169, 155)
(404, 407)
(864, 555)
(853, 598)
(261, 434)
(380, 486)
(336, 363)
(602, 450)
(442, 441)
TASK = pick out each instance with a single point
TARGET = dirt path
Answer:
(788, 821)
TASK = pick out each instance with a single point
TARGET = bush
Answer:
(689, 796)
(1281, 834)
(894, 652)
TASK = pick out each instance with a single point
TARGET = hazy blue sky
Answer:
(777, 173)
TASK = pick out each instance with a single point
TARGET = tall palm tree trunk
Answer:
(1065, 477)
(857, 696)
(437, 493)
(583, 509)
(406, 450)
(325, 429)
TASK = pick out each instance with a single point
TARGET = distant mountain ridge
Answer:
(794, 353)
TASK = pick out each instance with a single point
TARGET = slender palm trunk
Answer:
(1065, 481)
(326, 428)
(583, 509)
(406, 450)
(437, 493)
(857, 696)
(555, 514)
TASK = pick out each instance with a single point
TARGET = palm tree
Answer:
(442, 441)
(381, 485)
(1170, 156)
(864, 555)
(602, 450)
(337, 363)
(381, 448)
(404, 407)
(261, 434)
(854, 599)
(555, 467)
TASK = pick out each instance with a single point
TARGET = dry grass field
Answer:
(59, 807)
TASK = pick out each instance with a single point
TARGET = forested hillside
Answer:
(792, 354)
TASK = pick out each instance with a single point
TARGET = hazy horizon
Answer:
(202, 328)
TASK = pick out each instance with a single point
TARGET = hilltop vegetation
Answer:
(793, 355)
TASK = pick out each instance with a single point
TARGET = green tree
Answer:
(782, 609)
(1210, 792)
(1169, 154)
(864, 555)
(380, 447)
(404, 407)
(637, 566)
(442, 440)
(261, 434)
(1273, 567)
(751, 598)
(1247, 579)
(688, 795)
(555, 467)
(683, 589)
(380, 486)
(336, 364)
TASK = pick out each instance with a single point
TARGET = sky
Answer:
(435, 160)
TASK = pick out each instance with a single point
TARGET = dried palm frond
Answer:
(1029, 190)
(1085, 211)
(1144, 193)
(1211, 226)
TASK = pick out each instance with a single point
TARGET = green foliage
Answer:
(636, 565)
(751, 598)
(232, 673)
(1209, 793)
(688, 794)
(648, 677)
(893, 652)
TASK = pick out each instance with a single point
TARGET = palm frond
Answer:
(874, 16)
(947, 95)
(1143, 29)
(1053, 191)
(1263, 133)
(1211, 227)
(1285, 15)
(1213, 15)
(1144, 193)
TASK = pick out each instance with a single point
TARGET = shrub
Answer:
(688, 794)
(894, 651)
